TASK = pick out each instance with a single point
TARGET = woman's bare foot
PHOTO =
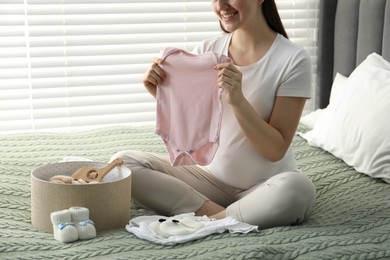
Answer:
(211, 209)
(219, 215)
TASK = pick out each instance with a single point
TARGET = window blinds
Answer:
(66, 64)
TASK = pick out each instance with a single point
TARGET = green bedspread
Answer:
(351, 218)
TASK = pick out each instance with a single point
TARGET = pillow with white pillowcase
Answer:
(337, 86)
(356, 127)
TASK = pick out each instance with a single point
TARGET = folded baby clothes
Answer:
(183, 228)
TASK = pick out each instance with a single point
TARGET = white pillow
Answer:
(310, 119)
(356, 127)
(337, 87)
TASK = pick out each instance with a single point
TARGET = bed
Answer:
(351, 217)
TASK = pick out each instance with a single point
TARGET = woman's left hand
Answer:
(230, 79)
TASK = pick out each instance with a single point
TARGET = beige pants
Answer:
(284, 199)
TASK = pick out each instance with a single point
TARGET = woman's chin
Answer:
(229, 27)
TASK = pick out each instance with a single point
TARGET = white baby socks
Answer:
(63, 227)
(85, 226)
(72, 224)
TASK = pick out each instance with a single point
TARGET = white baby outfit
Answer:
(183, 228)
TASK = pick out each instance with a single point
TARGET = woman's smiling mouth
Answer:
(228, 16)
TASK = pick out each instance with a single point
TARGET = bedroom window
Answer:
(69, 64)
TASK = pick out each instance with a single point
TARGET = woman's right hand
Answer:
(154, 76)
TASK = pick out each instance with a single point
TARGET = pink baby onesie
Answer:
(189, 107)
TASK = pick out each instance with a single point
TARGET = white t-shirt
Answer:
(285, 70)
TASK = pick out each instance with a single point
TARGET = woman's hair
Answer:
(272, 17)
